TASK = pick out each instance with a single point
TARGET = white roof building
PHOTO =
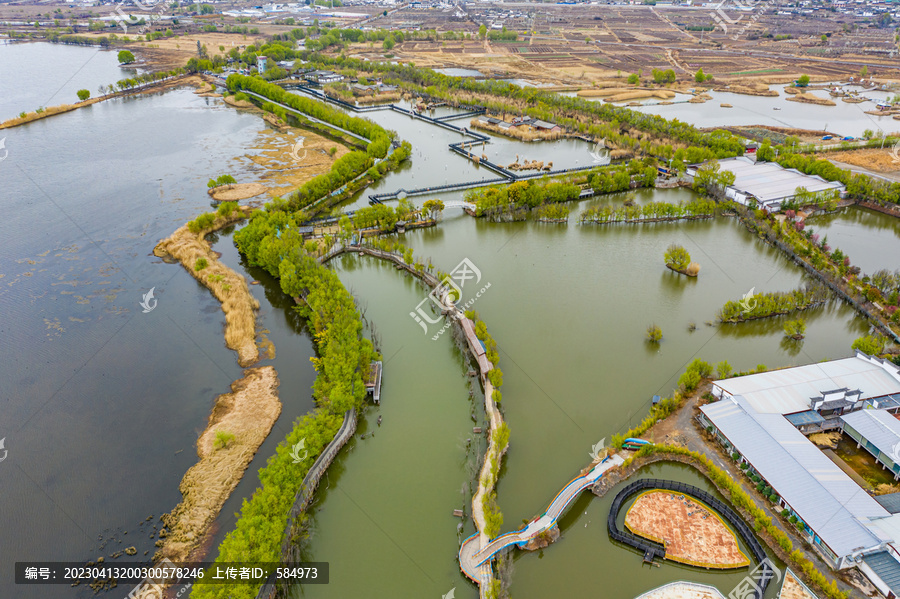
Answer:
(836, 510)
(769, 184)
(792, 390)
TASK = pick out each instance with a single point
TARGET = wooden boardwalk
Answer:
(473, 556)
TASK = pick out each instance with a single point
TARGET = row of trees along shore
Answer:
(271, 240)
(350, 166)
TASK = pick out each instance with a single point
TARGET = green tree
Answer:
(864, 72)
(634, 79)
(700, 77)
(803, 81)
(795, 329)
(207, 9)
(872, 345)
(654, 333)
(482, 31)
(126, 57)
(388, 43)
(83, 94)
(677, 257)
(723, 369)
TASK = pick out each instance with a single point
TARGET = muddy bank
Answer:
(809, 98)
(230, 288)
(237, 191)
(239, 423)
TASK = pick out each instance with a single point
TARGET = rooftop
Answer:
(815, 487)
(879, 427)
(769, 181)
(683, 590)
(790, 390)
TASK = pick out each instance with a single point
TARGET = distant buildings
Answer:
(323, 77)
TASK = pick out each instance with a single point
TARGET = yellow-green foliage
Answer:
(204, 221)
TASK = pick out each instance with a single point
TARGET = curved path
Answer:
(475, 559)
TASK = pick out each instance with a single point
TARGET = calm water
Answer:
(870, 238)
(73, 68)
(843, 118)
(568, 307)
(104, 403)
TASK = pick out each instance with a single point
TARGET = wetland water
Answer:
(104, 403)
(101, 403)
(73, 68)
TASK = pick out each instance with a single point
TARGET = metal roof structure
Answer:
(878, 427)
(804, 418)
(790, 390)
(890, 502)
(768, 181)
(820, 493)
(887, 568)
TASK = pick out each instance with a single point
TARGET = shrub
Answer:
(83, 94)
(723, 369)
(223, 439)
(654, 333)
(689, 380)
(744, 465)
(204, 221)
(795, 329)
(496, 377)
(200, 264)
(225, 209)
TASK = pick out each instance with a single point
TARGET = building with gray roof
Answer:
(878, 432)
(770, 185)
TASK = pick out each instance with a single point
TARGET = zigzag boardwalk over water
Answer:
(457, 147)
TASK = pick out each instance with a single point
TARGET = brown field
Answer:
(880, 161)
(691, 532)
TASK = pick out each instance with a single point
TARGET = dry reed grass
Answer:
(229, 287)
(809, 98)
(248, 412)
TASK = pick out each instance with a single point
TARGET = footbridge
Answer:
(474, 557)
